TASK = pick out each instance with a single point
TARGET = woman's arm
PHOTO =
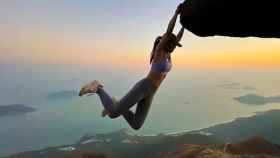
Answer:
(173, 20)
(180, 34)
(159, 53)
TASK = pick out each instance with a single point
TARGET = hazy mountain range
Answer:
(215, 140)
(264, 124)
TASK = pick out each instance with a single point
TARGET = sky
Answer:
(115, 33)
(71, 42)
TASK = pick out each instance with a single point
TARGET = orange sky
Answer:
(49, 48)
(71, 38)
(218, 52)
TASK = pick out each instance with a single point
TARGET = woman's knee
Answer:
(137, 125)
(114, 115)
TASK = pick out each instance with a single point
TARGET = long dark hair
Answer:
(154, 48)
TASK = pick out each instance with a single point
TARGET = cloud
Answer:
(235, 86)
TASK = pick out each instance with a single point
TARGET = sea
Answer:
(189, 99)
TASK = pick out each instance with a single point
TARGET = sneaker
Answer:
(90, 88)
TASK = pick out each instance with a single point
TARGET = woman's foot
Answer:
(104, 113)
(90, 88)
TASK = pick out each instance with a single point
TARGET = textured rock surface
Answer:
(253, 148)
(236, 18)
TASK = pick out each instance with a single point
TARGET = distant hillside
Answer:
(255, 147)
(62, 95)
(220, 141)
(265, 124)
(15, 109)
(85, 155)
(124, 144)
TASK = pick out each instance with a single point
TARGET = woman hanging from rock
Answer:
(143, 91)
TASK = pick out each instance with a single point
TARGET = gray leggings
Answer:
(141, 94)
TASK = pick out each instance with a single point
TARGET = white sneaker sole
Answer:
(90, 88)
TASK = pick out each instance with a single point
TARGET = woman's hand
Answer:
(179, 9)
(172, 22)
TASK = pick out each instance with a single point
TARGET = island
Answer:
(254, 99)
(62, 95)
(14, 109)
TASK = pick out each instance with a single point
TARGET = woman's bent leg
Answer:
(137, 120)
(137, 93)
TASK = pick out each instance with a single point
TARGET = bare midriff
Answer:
(156, 78)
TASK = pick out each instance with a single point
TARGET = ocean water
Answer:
(187, 100)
